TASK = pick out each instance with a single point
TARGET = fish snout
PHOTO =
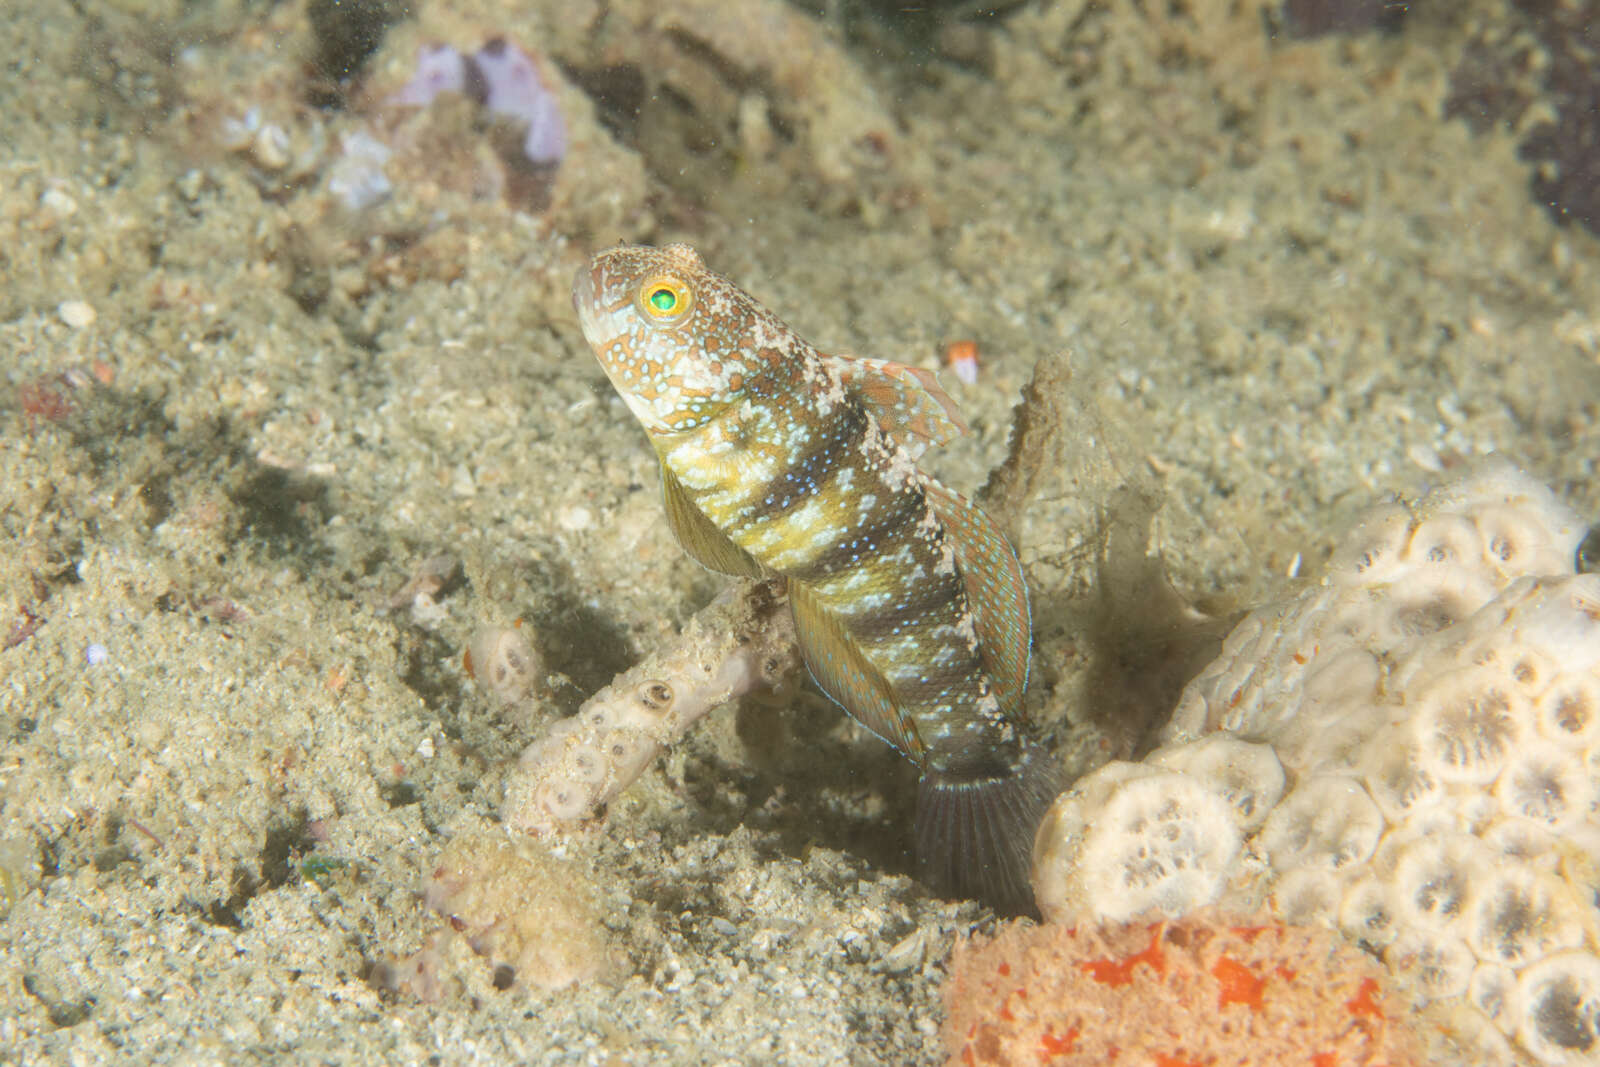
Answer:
(583, 288)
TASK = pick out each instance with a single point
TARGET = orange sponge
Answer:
(1203, 991)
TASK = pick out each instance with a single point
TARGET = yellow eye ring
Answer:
(665, 298)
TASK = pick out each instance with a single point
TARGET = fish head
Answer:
(674, 338)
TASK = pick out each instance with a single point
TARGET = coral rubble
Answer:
(534, 917)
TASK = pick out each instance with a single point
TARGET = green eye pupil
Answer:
(663, 299)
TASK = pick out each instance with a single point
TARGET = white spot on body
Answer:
(905, 556)
(848, 585)
(968, 630)
(802, 534)
(868, 602)
(903, 652)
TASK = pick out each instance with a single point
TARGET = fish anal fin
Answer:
(699, 536)
(846, 675)
(906, 402)
(997, 594)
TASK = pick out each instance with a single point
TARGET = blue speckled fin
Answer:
(996, 593)
(848, 677)
(906, 402)
(699, 536)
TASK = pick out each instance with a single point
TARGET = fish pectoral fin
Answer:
(699, 536)
(997, 595)
(846, 675)
(906, 402)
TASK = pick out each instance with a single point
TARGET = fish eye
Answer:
(665, 298)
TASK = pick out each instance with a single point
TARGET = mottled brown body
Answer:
(778, 460)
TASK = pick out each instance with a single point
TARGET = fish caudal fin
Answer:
(975, 829)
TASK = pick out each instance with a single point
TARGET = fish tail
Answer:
(975, 827)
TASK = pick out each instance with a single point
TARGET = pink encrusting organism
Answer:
(504, 79)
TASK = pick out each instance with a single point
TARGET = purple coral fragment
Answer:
(512, 87)
(440, 69)
(505, 80)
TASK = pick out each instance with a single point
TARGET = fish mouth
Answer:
(585, 301)
(582, 289)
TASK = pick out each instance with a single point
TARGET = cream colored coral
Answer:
(1403, 574)
(1434, 704)
(743, 641)
(1131, 840)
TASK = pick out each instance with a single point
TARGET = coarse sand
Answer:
(247, 784)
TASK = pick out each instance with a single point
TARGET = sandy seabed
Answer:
(237, 420)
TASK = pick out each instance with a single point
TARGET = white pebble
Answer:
(271, 147)
(58, 203)
(76, 313)
(575, 519)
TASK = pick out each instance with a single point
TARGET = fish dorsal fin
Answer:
(906, 402)
(847, 676)
(997, 596)
(699, 536)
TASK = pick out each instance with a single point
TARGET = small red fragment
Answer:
(1365, 1002)
(1051, 1044)
(1325, 1059)
(1240, 985)
(1120, 972)
(1162, 1060)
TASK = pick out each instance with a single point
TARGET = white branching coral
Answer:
(1406, 753)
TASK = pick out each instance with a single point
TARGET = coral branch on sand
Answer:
(742, 642)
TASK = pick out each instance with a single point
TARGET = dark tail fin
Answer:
(975, 829)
